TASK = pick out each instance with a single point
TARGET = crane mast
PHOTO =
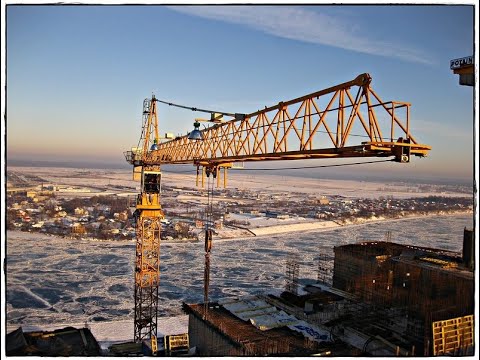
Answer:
(319, 125)
(148, 215)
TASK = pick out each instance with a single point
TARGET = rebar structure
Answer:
(429, 285)
(325, 267)
(292, 271)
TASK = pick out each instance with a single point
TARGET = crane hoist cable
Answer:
(208, 238)
(193, 108)
(295, 168)
(315, 167)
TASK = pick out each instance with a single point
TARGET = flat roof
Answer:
(425, 257)
(425, 264)
(393, 245)
(242, 332)
(236, 329)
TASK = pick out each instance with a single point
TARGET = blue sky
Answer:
(77, 75)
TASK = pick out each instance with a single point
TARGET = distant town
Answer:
(78, 212)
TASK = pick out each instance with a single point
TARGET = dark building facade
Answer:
(430, 284)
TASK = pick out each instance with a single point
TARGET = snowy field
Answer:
(108, 180)
(55, 280)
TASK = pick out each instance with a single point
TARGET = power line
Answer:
(296, 168)
(194, 108)
(179, 172)
(263, 126)
(239, 116)
(315, 167)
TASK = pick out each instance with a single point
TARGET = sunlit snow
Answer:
(59, 280)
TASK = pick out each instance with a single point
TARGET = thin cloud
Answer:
(442, 130)
(300, 24)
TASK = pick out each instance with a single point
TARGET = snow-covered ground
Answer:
(111, 332)
(261, 226)
(108, 179)
(52, 281)
(55, 280)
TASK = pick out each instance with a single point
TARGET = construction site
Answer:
(378, 299)
(384, 299)
(371, 299)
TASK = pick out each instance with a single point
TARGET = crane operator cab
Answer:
(149, 198)
(151, 182)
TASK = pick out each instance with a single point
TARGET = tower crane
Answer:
(322, 125)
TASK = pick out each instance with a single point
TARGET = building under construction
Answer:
(427, 285)
(257, 329)
(384, 299)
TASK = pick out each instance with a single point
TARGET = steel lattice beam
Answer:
(318, 125)
(147, 276)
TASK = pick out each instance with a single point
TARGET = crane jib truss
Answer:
(311, 131)
(319, 125)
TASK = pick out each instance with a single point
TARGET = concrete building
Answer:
(429, 285)
(216, 331)
(386, 299)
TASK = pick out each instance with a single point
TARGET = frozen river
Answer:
(56, 280)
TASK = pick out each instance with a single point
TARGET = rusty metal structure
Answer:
(322, 125)
(428, 285)
(325, 268)
(291, 274)
(226, 335)
(388, 299)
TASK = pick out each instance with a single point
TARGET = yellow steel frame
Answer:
(174, 343)
(452, 335)
(311, 131)
(148, 226)
(318, 125)
(147, 274)
(150, 127)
